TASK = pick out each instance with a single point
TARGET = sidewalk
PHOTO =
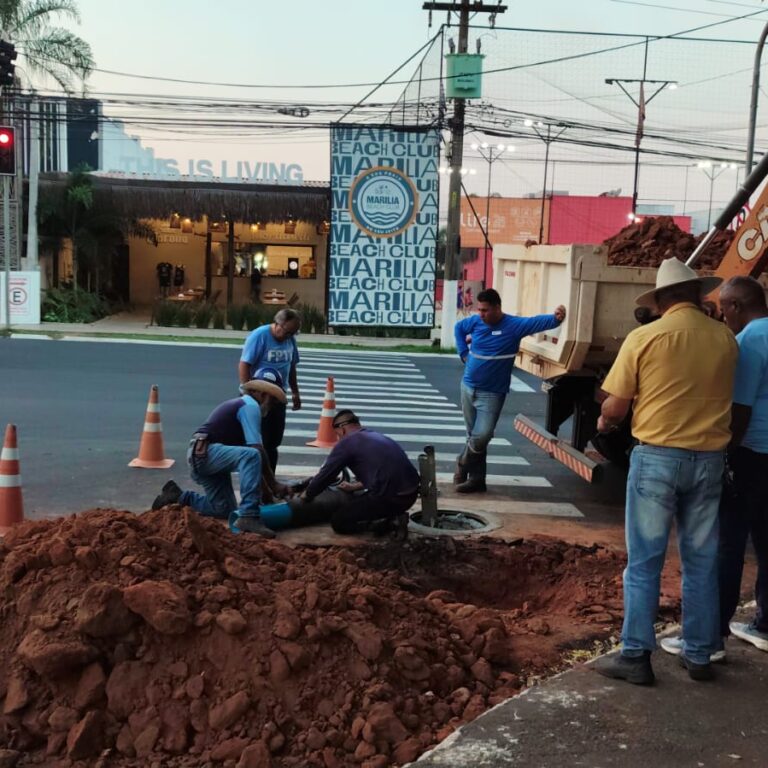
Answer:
(137, 325)
(580, 718)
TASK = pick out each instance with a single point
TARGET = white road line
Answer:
(518, 385)
(407, 437)
(366, 366)
(415, 415)
(326, 370)
(458, 426)
(392, 400)
(306, 450)
(340, 382)
(527, 481)
(342, 388)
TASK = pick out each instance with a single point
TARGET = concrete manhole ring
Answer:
(453, 522)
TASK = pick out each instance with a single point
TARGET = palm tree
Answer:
(47, 49)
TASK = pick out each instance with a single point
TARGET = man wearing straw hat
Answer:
(230, 440)
(677, 375)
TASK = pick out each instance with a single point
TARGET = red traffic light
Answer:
(6, 137)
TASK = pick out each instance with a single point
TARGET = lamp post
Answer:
(712, 172)
(490, 153)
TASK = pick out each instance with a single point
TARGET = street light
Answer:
(712, 172)
(490, 153)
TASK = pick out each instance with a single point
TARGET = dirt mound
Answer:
(648, 242)
(163, 640)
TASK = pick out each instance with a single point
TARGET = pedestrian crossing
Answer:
(392, 395)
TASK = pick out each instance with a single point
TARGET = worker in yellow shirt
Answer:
(677, 376)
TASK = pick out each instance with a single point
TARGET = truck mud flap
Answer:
(576, 461)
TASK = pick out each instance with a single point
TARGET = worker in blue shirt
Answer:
(488, 359)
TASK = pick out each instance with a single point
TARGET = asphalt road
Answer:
(79, 407)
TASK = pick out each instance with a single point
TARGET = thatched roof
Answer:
(139, 198)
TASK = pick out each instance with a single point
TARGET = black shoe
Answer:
(475, 484)
(253, 525)
(170, 494)
(634, 669)
(698, 672)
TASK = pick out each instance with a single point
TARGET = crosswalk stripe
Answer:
(342, 383)
(375, 407)
(344, 401)
(518, 385)
(365, 413)
(368, 357)
(526, 481)
(377, 391)
(329, 371)
(456, 426)
(306, 450)
(361, 366)
(407, 437)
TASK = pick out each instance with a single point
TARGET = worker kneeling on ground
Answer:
(229, 440)
(387, 483)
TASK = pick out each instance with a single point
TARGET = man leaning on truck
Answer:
(495, 339)
(677, 374)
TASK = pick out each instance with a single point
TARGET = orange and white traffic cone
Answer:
(326, 437)
(11, 505)
(151, 454)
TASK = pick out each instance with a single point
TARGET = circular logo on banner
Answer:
(383, 201)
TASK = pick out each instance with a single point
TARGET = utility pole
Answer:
(453, 241)
(641, 102)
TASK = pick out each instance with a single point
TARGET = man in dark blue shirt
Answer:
(230, 440)
(495, 340)
(386, 484)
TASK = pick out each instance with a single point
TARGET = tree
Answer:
(46, 48)
(74, 212)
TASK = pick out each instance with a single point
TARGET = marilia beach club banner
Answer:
(384, 185)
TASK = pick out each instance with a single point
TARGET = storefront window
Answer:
(291, 261)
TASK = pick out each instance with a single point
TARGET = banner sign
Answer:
(24, 295)
(384, 187)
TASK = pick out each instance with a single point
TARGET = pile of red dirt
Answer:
(648, 242)
(161, 639)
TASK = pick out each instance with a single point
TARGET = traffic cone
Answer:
(151, 454)
(326, 437)
(11, 506)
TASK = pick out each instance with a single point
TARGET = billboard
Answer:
(384, 188)
(512, 220)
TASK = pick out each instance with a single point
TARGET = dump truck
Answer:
(572, 360)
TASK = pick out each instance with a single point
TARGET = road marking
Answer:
(343, 383)
(518, 385)
(393, 399)
(457, 426)
(372, 366)
(407, 437)
(450, 458)
(357, 373)
(440, 418)
(521, 481)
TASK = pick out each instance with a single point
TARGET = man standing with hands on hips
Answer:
(677, 374)
(495, 340)
(274, 346)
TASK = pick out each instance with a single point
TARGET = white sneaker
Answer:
(750, 633)
(674, 645)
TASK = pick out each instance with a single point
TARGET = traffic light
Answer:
(7, 57)
(7, 150)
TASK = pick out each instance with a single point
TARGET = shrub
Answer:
(312, 319)
(67, 305)
(184, 314)
(164, 313)
(203, 314)
(218, 318)
(236, 316)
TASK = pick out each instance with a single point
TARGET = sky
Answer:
(328, 42)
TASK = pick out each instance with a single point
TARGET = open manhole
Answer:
(451, 522)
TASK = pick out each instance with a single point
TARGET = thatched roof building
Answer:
(139, 197)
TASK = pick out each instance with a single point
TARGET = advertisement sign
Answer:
(24, 296)
(512, 220)
(384, 187)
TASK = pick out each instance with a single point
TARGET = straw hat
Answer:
(674, 272)
(266, 380)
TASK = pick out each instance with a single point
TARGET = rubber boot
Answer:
(476, 470)
(460, 474)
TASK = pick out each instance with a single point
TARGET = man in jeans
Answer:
(677, 374)
(230, 440)
(495, 340)
(744, 506)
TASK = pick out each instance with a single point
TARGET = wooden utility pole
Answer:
(456, 124)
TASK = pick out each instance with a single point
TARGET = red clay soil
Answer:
(648, 242)
(162, 640)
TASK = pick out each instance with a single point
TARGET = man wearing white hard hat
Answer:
(677, 376)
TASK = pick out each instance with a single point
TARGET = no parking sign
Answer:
(24, 295)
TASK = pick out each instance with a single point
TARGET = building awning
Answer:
(142, 198)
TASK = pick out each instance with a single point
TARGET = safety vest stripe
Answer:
(492, 357)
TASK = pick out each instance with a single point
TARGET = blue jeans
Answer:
(481, 412)
(214, 474)
(744, 514)
(667, 484)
